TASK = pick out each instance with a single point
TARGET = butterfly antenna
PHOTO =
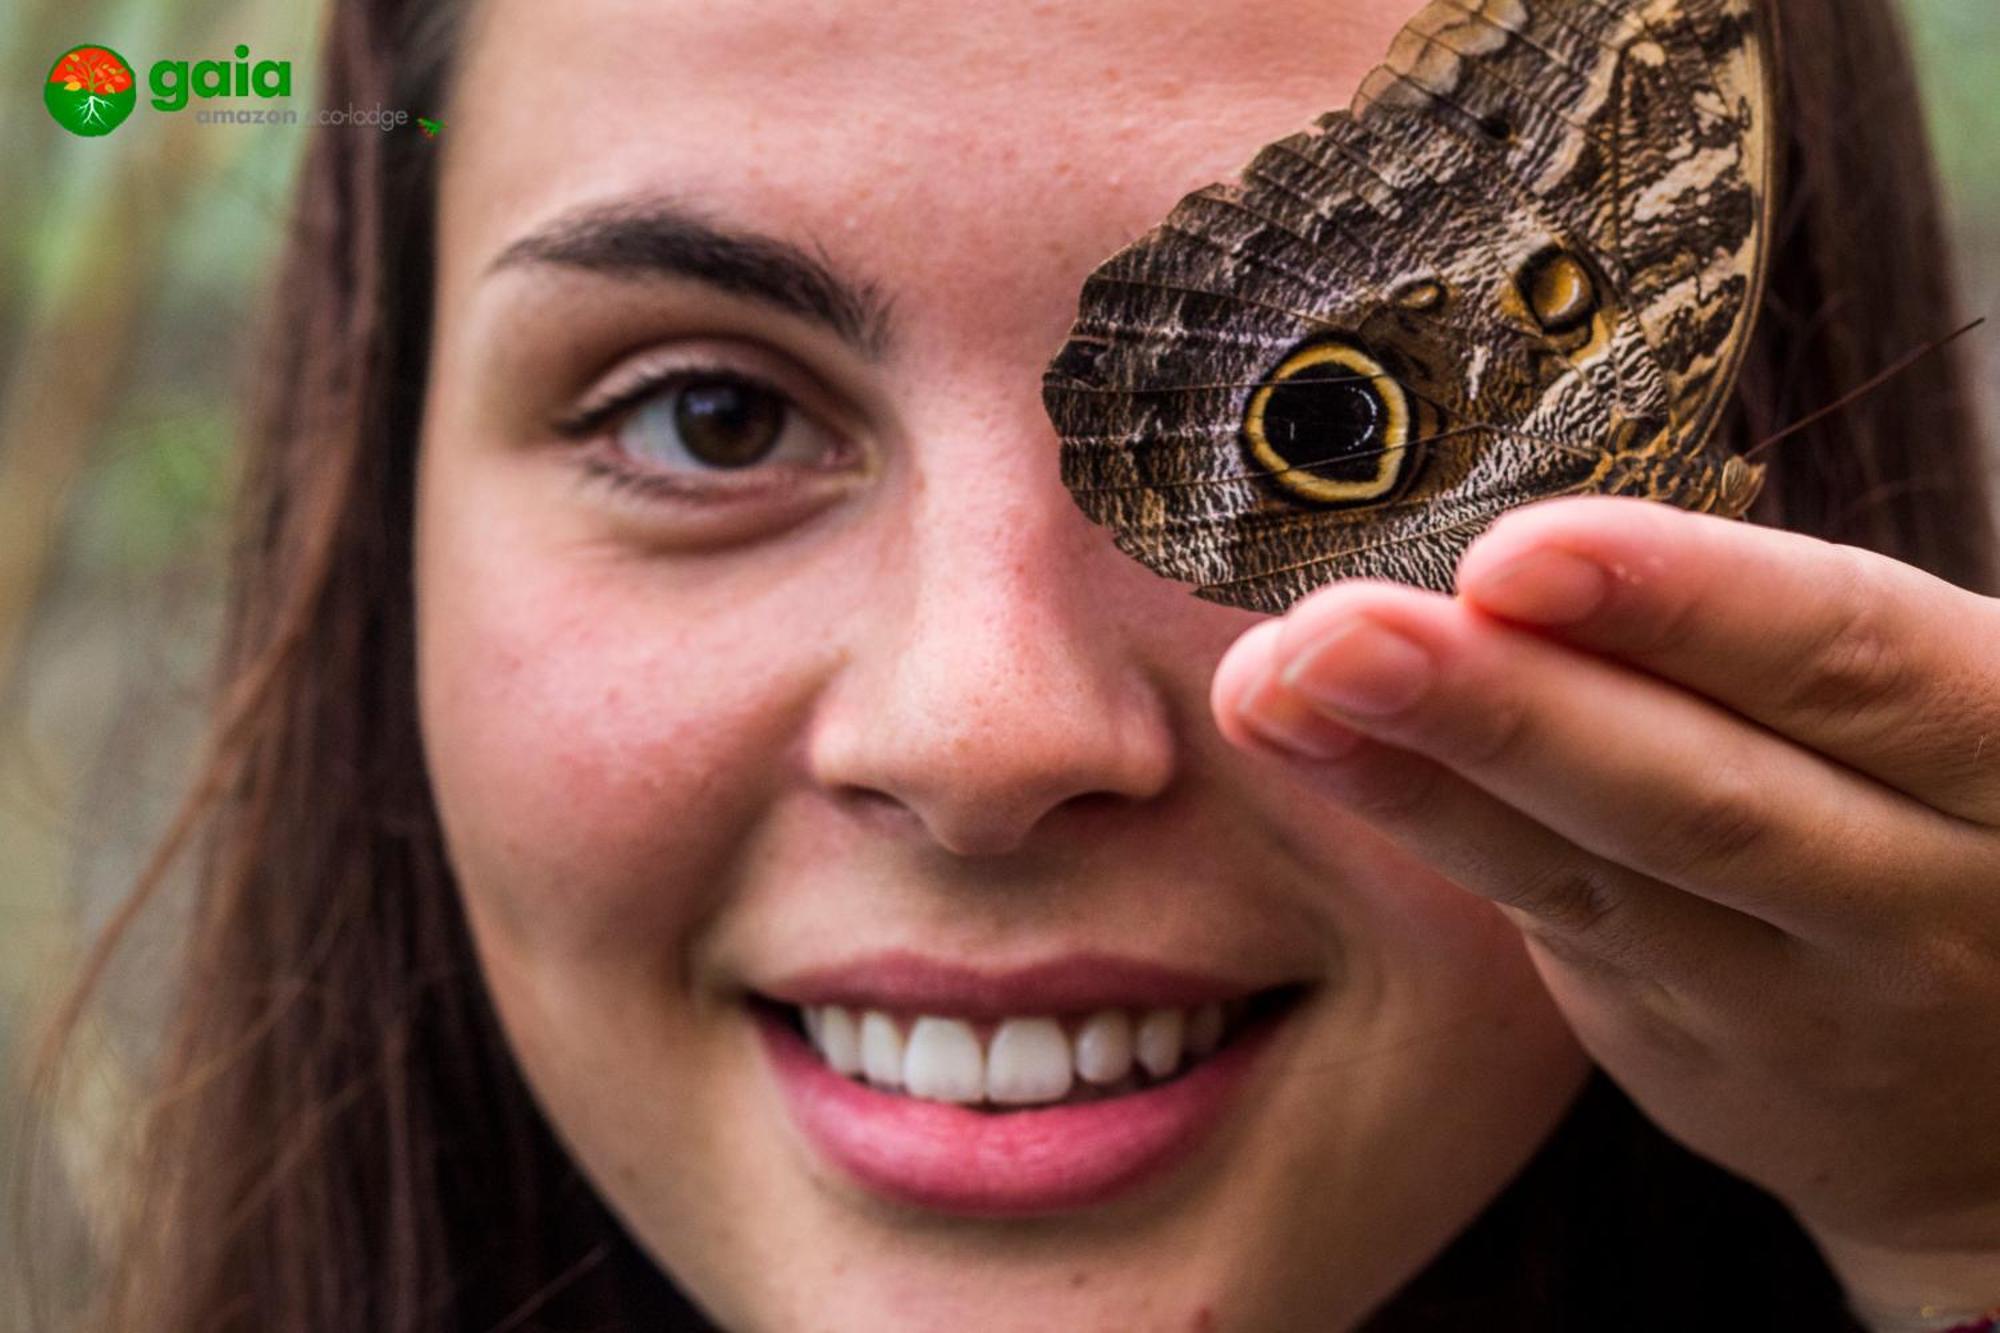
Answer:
(1862, 390)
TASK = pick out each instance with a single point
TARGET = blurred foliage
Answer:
(159, 487)
(1958, 55)
(131, 270)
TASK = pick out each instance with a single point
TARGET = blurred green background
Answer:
(129, 272)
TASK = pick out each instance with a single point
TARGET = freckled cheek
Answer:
(594, 764)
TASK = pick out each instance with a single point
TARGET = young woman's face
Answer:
(759, 637)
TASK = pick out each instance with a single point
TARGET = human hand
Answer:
(1739, 788)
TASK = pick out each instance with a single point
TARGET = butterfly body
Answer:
(1523, 264)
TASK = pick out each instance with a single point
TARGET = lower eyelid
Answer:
(676, 509)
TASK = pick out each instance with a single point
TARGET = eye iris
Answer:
(727, 424)
(1327, 421)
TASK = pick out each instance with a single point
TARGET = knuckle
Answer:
(1711, 830)
(1394, 786)
(1574, 900)
(1853, 664)
(1495, 734)
(1944, 971)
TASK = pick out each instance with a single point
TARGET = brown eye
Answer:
(727, 423)
(1331, 425)
(696, 421)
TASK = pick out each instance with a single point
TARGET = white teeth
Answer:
(881, 1049)
(1029, 1061)
(942, 1061)
(1104, 1047)
(1204, 1030)
(835, 1035)
(1159, 1041)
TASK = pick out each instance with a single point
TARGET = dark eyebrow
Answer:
(655, 238)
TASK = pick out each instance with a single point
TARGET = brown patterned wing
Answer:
(1523, 264)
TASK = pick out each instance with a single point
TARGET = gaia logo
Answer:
(90, 90)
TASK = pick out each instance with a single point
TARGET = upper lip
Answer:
(900, 979)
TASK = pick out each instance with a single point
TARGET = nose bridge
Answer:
(1001, 618)
(999, 540)
(992, 682)
(1010, 600)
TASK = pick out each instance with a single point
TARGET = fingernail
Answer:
(1279, 716)
(1363, 667)
(1544, 587)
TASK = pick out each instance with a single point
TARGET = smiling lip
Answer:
(1074, 983)
(952, 1158)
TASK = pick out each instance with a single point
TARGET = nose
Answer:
(996, 677)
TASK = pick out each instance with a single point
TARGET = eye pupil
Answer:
(1332, 425)
(1327, 421)
(728, 424)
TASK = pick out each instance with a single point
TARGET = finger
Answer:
(1870, 661)
(1624, 765)
(1589, 912)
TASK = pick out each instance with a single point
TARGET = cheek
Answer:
(1416, 912)
(595, 756)
(1413, 942)
(1442, 954)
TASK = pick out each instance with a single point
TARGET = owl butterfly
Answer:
(1523, 264)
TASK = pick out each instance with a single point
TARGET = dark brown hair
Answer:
(339, 1139)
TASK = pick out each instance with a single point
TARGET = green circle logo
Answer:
(90, 90)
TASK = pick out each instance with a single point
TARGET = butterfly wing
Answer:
(1524, 263)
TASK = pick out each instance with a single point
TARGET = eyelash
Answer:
(652, 485)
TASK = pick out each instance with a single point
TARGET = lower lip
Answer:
(945, 1157)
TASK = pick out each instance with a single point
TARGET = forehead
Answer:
(963, 137)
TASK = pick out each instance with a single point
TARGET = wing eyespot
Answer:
(1330, 424)
(1559, 291)
(1560, 295)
